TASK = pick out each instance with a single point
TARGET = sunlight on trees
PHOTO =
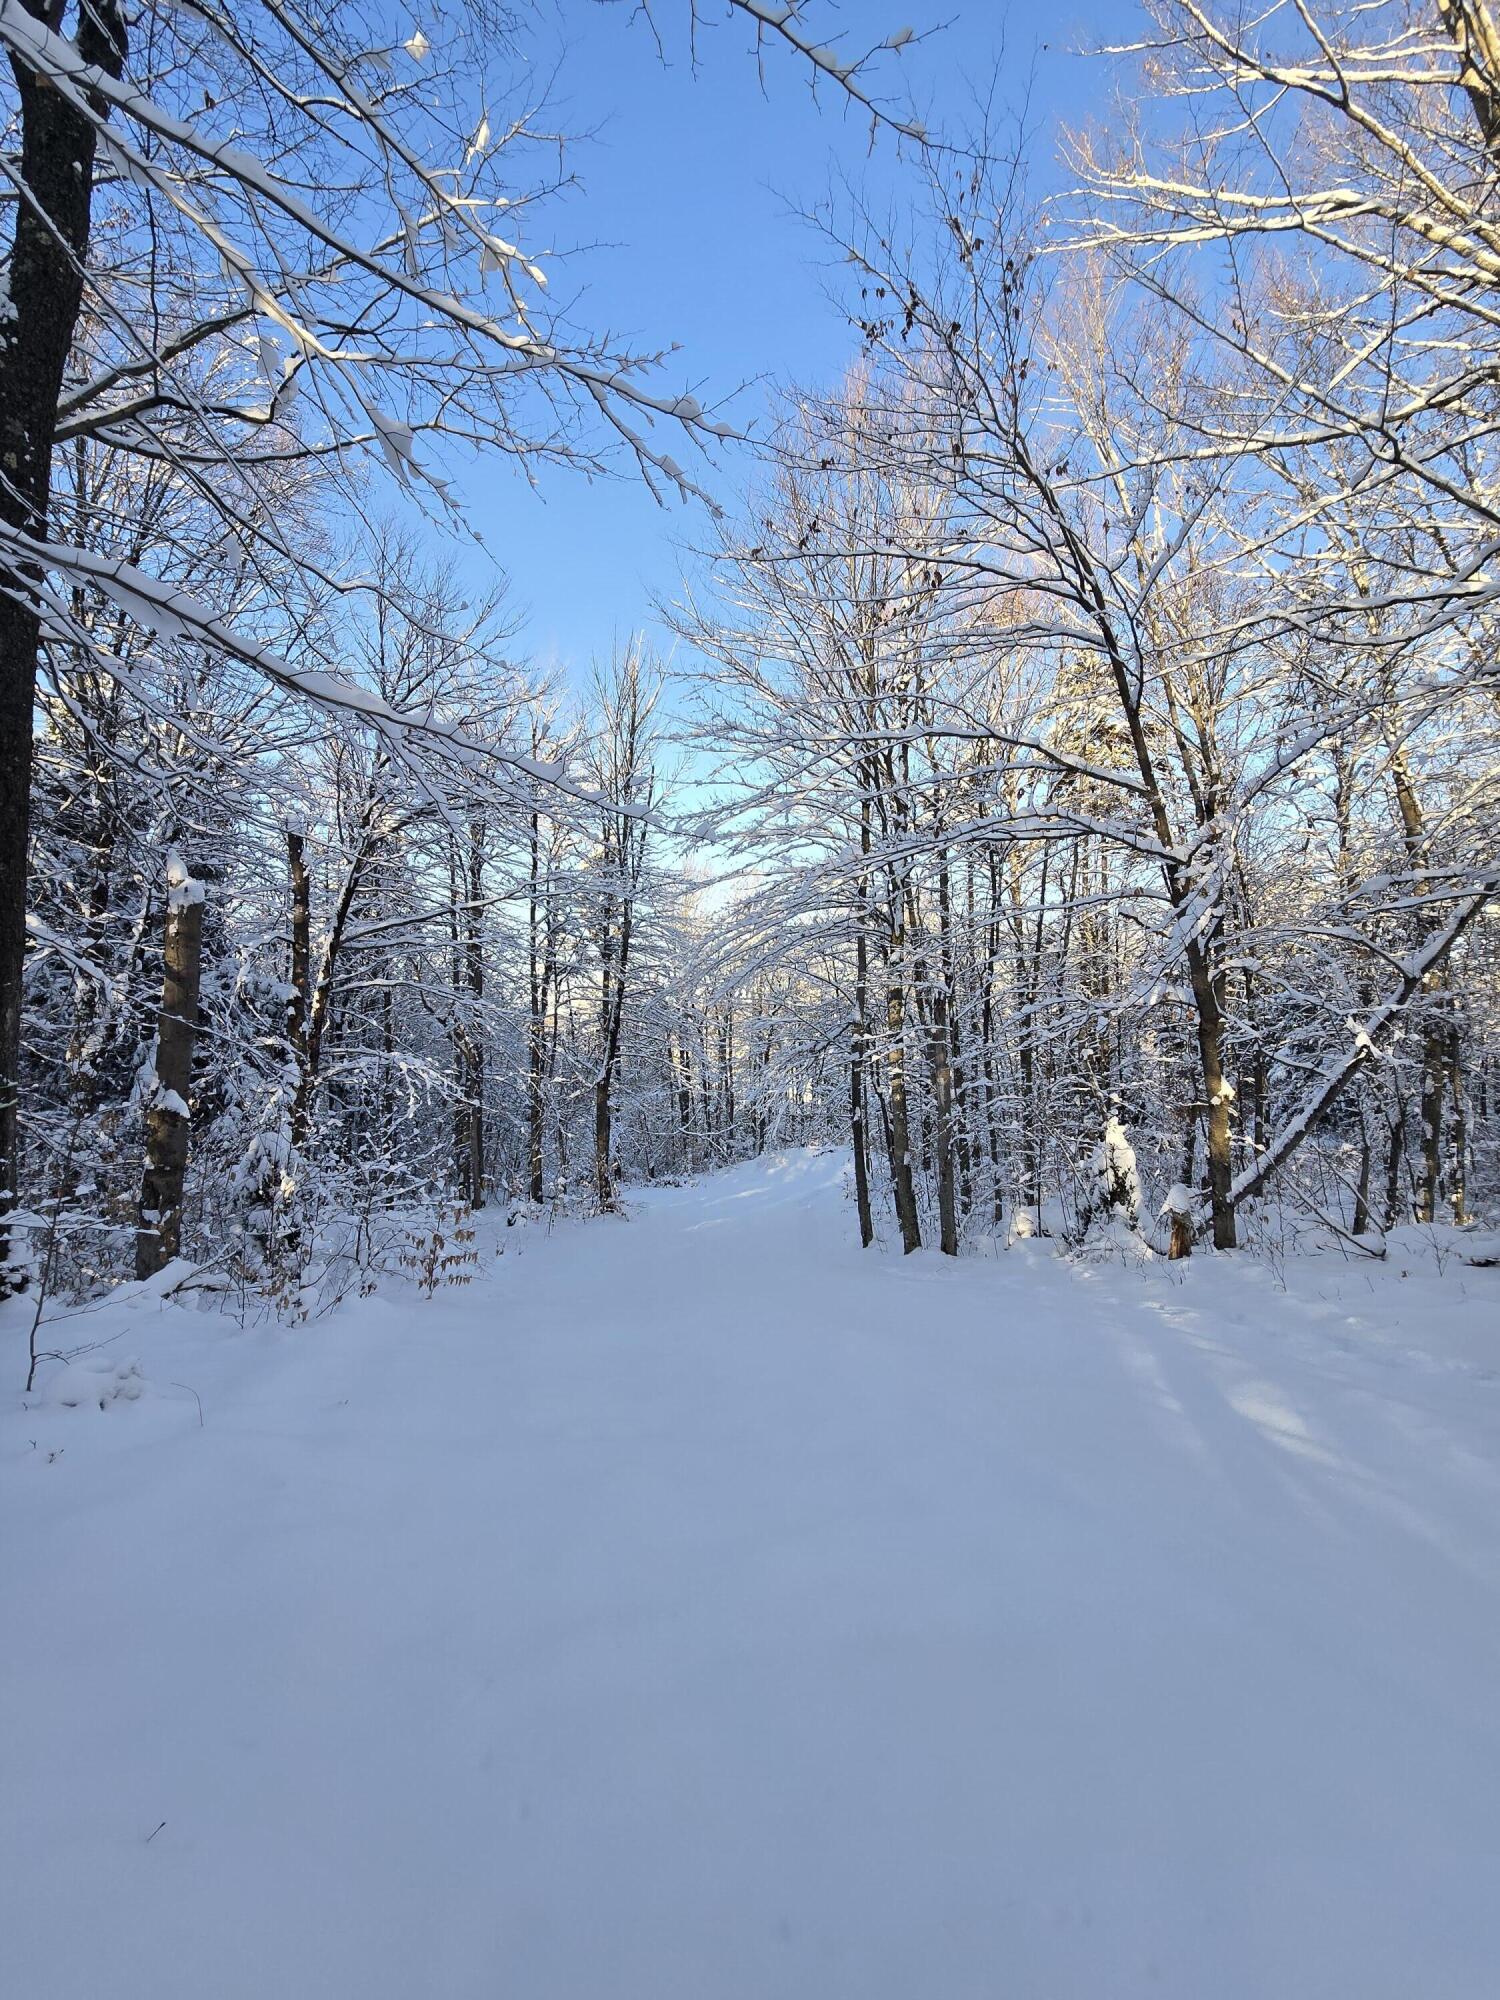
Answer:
(1091, 701)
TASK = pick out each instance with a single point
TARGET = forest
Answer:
(1034, 868)
(1082, 718)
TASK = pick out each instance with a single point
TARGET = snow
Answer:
(1115, 1196)
(95, 1383)
(695, 1606)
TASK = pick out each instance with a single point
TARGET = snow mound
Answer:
(80, 1384)
(1110, 1240)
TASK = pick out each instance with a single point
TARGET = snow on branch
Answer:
(1364, 1039)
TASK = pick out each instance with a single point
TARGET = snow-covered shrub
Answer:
(1115, 1193)
(1111, 1209)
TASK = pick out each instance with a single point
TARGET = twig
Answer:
(199, 1401)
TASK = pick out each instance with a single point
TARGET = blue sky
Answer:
(691, 183)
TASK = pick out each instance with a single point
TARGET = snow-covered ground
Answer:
(694, 1607)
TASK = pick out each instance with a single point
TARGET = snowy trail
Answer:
(697, 1608)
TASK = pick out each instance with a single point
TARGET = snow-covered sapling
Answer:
(1115, 1185)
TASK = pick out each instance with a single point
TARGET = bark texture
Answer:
(48, 246)
(168, 1122)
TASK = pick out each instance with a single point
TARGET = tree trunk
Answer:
(991, 1093)
(168, 1125)
(1210, 1029)
(1031, 1128)
(958, 1123)
(473, 1033)
(301, 946)
(1395, 1158)
(53, 180)
(726, 1073)
(1458, 1130)
(1434, 1079)
(318, 1008)
(604, 1181)
(859, 1052)
(535, 1110)
(940, 1068)
(900, 1128)
(1361, 1222)
(683, 1080)
(540, 972)
(705, 1094)
(861, 1145)
(388, 1108)
(858, 1123)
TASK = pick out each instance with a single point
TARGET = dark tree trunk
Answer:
(301, 945)
(957, 1099)
(55, 192)
(940, 1070)
(1434, 1081)
(1189, 1146)
(1458, 1129)
(535, 1152)
(611, 1023)
(900, 1126)
(705, 1094)
(604, 1180)
(861, 1146)
(388, 1106)
(1361, 1222)
(1207, 994)
(472, 1038)
(168, 1125)
(683, 1079)
(540, 973)
(858, 1122)
(316, 1010)
(1395, 1158)
(726, 1075)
